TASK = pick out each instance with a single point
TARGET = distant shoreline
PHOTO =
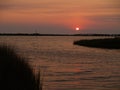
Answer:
(37, 34)
(107, 43)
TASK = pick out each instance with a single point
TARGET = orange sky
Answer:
(87, 14)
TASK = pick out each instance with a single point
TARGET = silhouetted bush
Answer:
(15, 73)
(108, 43)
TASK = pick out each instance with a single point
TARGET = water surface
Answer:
(65, 66)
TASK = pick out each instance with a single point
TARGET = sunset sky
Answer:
(60, 16)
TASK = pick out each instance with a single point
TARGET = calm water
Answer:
(68, 67)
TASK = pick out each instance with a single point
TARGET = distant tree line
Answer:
(38, 34)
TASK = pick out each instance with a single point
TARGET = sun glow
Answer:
(77, 28)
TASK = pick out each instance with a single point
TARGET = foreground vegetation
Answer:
(108, 43)
(15, 72)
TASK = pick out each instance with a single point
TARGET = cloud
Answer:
(41, 28)
(29, 5)
(14, 6)
(105, 18)
(59, 7)
(41, 7)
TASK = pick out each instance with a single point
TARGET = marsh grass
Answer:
(108, 43)
(15, 73)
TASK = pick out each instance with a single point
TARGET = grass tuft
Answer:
(15, 73)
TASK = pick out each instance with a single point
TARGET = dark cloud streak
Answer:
(41, 28)
(105, 18)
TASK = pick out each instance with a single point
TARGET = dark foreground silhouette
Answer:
(108, 43)
(15, 73)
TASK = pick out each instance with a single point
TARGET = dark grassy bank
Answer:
(15, 73)
(108, 43)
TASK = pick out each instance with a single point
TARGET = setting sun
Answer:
(77, 28)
